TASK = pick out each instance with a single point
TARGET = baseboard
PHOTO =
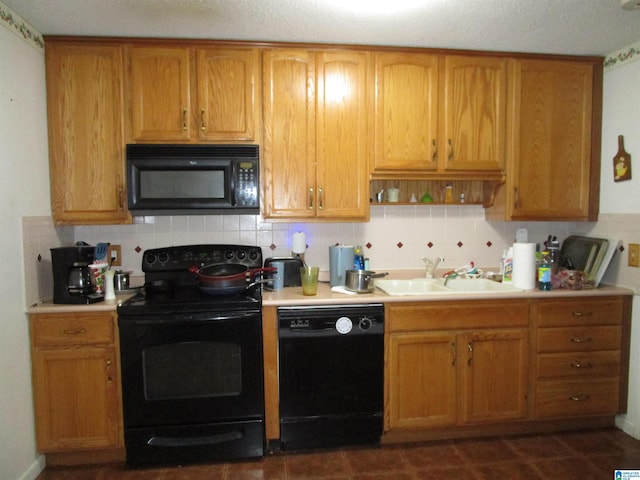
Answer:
(623, 423)
(35, 469)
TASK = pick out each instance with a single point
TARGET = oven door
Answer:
(195, 369)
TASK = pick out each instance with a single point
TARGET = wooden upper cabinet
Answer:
(228, 100)
(85, 105)
(160, 89)
(194, 94)
(289, 133)
(315, 134)
(474, 113)
(554, 166)
(438, 114)
(406, 112)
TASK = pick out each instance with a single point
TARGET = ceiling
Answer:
(579, 27)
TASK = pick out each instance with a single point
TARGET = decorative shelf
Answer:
(476, 191)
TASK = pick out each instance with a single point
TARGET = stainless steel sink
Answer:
(418, 286)
(480, 285)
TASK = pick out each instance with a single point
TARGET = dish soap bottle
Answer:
(358, 259)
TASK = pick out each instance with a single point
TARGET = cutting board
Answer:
(621, 163)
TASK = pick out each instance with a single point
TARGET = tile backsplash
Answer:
(395, 238)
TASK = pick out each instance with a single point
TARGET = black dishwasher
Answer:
(331, 361)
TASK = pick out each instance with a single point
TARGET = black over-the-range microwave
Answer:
(183, 179)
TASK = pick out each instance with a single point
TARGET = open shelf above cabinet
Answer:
(476, 192)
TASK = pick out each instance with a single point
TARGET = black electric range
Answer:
(191, 362)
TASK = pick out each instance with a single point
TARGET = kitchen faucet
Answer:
(430, 266)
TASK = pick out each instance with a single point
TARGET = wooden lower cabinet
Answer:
(505, 366)
(76, 380)
(581, 357)
(450, 364)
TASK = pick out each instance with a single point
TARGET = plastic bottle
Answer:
(554, 252)
(544, 272)
(448, 194)
(507, 266)
(358, 259)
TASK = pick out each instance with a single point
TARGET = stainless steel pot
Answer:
(361, 281)
(121, 281)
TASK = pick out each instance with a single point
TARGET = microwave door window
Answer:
(200, 184)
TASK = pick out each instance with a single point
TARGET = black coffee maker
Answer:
(73, 281)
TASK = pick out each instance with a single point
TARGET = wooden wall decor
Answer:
(621, 163)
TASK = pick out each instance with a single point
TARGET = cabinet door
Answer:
(551, 170)
(289, 134)
(406, 112)
(159, 84)
(494, 382)
(85, 116)
(420, 380)
(342, 180)
(474, 114)
(228, 101)
(76, 398)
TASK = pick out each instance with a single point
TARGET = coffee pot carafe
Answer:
(80, 280)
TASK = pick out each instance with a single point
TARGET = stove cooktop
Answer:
(171, 288)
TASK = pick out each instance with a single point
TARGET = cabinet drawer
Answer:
(579, 339)
(576, 398)
(579, 364)
(72, 329)
(561, 312)
(407, 317)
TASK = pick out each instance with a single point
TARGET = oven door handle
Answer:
(185, 317)
(194, 441)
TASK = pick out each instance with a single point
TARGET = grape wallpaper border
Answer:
(20, 27)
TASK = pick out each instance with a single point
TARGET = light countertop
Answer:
(292, 296)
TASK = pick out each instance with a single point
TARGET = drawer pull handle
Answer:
(580, 340)
(579, 398)
(109, 377)
(581, 365)
(582, 314)
(77, 331)
(454, 354)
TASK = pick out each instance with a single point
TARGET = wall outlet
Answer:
(634, 254)
(114, 255)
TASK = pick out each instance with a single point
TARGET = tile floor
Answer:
(578, 455)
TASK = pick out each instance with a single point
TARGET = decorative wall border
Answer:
(626, 55)
(17, 25)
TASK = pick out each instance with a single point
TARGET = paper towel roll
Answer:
(524, 265)
(299, 242)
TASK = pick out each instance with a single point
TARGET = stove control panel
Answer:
(181, 258)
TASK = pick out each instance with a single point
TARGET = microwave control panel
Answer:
(246, 173)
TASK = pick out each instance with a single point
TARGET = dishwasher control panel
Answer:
(331, 320)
